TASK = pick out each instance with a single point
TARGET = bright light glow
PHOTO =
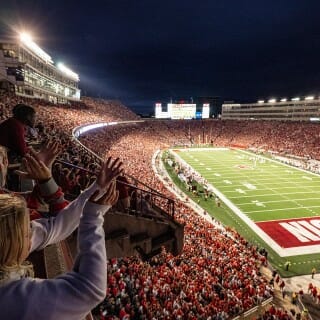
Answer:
(205, 111)
(260, 101)
(25, 37)
(309, 98)
(182, 110)
(27, 40)
(272, 101)
(81, 130)
(67, 71)
(295, 99)
(283, 100)
(314, 119)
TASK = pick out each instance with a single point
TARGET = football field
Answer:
(280, 203)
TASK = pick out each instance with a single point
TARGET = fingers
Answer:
(21, 174)
(109, 171)
(108, 194)
(109, 197)
(32, 152)
(102, 199)
(94, 197)
(48, 152)
(54, 147)
(35, 169)
(33, 162)
(108, 162)
(115, 167)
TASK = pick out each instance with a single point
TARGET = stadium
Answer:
(218, 217)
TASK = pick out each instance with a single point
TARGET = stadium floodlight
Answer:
(283, 100)
(295, 99)
(67, 71)
(272, 100)
(26, 39)
(309, 98)
(260, 101)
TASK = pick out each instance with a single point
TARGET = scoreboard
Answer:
(182, 111)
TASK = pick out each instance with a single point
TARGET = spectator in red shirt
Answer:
(12, 130)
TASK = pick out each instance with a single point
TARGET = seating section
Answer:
(217, 276)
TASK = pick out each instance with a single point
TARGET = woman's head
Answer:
(15, 237)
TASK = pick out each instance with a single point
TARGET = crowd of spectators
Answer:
(218, 274)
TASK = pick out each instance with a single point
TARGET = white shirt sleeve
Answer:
(55, 229)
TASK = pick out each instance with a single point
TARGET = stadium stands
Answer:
(218, 274)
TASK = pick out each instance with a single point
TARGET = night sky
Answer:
(141, 51)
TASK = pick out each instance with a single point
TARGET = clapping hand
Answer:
(34, 169)
(106, 181)
(48, 153)
(109, 171)
(109, 197)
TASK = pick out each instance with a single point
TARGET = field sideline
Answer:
(280, 203)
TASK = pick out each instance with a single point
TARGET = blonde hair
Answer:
(13, 233)
(3, 165)
(3, 152)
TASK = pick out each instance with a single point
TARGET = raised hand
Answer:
(48, 153)
(109, 171)
(34, 169)
(109, 197)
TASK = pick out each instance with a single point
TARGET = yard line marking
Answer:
(267, 210)
(249, 186)
(257, 177)
(263, 177)
(277, 201)
(240, 191)
(299, 218)
(272, 194)
(258, 203)
(274, 189)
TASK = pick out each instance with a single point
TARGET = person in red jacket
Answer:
(12, 130)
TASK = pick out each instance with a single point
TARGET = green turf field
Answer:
(258, 191)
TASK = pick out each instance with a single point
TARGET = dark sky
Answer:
(141, 51)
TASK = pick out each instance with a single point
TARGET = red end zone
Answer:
(293, 232)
